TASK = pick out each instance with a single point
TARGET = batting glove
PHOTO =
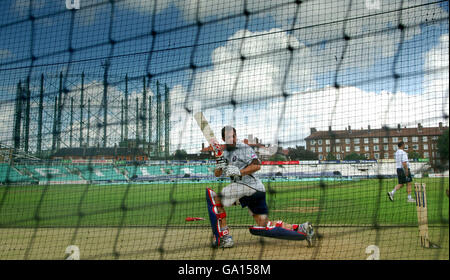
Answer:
(221, 163)
(232, 171)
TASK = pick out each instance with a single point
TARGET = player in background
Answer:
(403, 172)
(240, 162)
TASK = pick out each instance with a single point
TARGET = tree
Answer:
(300, 153)
(277, 157)
(354, 156)
(413, 155)
(330, 156)
(442, 145)
(180, 154)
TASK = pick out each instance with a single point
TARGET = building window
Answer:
(376, 155)
(386, 155)
(356, 140)
(313, 149)
(338, 141)
(376, 148)
(347, 140)
(319, 149)
(319, 142)
(356, 148)
(347, 148)
(415, 147)
(327, 149)
(385, 140)
(405, 139)
(406, 147)
(366, 148)
(434, 138)
(320, 157)
(425, 146)
(376, 140)
(424, 139)
(338, 156)
(426, 154)
(395, 139)
(338, 149)
(415, 139)
(386, 147)
(327, 141)
(366, 140)
(313, 142)
(367, 155)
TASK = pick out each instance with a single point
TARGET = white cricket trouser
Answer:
(233, 192)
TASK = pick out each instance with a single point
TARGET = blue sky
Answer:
(311, 67)
(90, 37)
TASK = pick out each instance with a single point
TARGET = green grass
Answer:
(339, 203)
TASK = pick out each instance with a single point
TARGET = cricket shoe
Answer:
(309, 231)
(226, 241)
(391, 196)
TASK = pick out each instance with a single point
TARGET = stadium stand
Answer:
(99, 173)
(9, 174)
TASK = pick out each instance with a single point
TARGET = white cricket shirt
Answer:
(400, 157)
(241, 157)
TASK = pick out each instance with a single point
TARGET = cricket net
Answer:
(101, 158)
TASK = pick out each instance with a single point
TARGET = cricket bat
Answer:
(208, 133)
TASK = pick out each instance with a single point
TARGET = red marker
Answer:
(190, 219)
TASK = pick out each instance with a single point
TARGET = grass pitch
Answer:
(344, 203)
(146, 221)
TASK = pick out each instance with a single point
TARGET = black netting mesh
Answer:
(101, 158)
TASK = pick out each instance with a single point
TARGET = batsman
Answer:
(239, 162)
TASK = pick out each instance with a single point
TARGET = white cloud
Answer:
(351, 106)
(257, 82)
(263, 112)
(261, 75)
(319, 24)
(436, 83)
(267, 70)
(325, 21)
(322, 21)
(289, 120)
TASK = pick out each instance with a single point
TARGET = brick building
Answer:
(375, 143)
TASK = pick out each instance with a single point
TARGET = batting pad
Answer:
(214, 215)
(277, 232)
